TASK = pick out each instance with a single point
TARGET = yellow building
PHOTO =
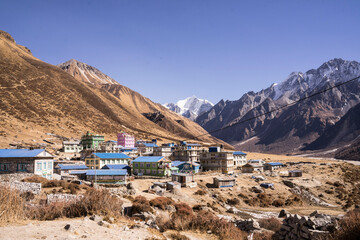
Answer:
(98, 160)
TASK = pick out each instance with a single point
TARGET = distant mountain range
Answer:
(292, 129)
(190, 107)
(38, 99)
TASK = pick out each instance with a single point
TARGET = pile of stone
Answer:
(249, 225)
(62, 197)
(303, 227)
(12, 177)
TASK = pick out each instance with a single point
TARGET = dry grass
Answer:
(11, 206)
(141, 204)
(178, 236)
(200, 192)
(271, 224)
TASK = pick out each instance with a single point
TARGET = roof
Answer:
(176, 163)
(295, 171)
(71, 166)
(78, 172)
(115, 166)
(193, 144)
(225, 178)
(150, 159)
(149, 144)
(239, 153)
(274, 164)
(16, 153)
(106, 172)
(111, 155)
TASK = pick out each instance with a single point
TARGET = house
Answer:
(152, 166)
(217, 160)
(221, 182)
(256, 161)
(37, 161)
(239, 159)
(117, 176)
(98, 160)
(164, 150)
(187, 152)
(273, 166)
(146, 148)
(185, 179)
(64, 169)
(110, 146)
(72, 146)
(117, 166)
(91, 141)
(186, 167)
(295, 173)
(251, 167)
(126, 140)
(131, 152)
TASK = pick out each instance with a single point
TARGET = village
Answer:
(242, 188)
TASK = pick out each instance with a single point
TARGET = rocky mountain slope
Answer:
(190, 107)
(39, 99)
(290, 129)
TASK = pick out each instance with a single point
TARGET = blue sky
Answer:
(168, 50)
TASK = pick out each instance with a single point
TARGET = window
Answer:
(44, 165)
(141, 164)
(22, 167)
(154, 165)
(147, 171)
(49, 165)
(135, 165)
(148, 165)
(154, 172)
(87, 161)
(4, 167)
(97, 161)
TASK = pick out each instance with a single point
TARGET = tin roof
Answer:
(71, 166)
(106, 172)
(17, 153)
(150, 159)
(149, 144)
(274, 164)
(239, 153)
(111, 155)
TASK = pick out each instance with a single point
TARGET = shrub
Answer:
(233, 201)
(183, 210)
(35, 179)
(162, 202)
(178, 236)
(200, 192)
(272, 224)
(263, 236)
(278, 203)
(349, 227)
(140, 205)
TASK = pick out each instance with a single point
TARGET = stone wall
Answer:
(52, 198)
(12, 177)
(35, 188)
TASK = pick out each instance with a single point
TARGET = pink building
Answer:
(126, 140)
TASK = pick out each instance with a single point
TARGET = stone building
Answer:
(217, 160)
(187, 152)
(36, 161)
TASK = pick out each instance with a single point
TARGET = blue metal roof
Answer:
(111, 155)
(71, 166)
(115, 166)
(149, 144)
(17, 153)
(106, 172)
(275, 164)
(149, 159)
(239, 153)
(77, 172)
(193, 144)
(176, 163)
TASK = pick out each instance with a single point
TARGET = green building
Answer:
(91, 141)
(152, 166)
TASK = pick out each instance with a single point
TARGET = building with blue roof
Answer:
(273, 166)
(239, 159)
(36, 161)
(99, 160)
(66, 168)
(108, 176)
(152, 165)
(146, 148)
(186, 167)
(187, 152)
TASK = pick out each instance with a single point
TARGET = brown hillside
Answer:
(39, 98)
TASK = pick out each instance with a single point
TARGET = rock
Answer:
(313, 214)
(96, 218)
(130, 186)
(170, 208)
(247, 225)
(289, 183)
(69, 228)
(126, 228)
(283, 213)
(103, 223)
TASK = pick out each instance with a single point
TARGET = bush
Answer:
(233, 201)
(263, 236)
(162, 202)
(349, 227)
(278, 203)
(178, 236)
(272, 224)
(200, 192)
(140, 205)
(35, 179)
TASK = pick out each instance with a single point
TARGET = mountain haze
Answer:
(38, 98)
(290, 129)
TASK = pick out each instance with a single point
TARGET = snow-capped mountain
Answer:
(290, 129)
(86, 73)
(190, 107)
